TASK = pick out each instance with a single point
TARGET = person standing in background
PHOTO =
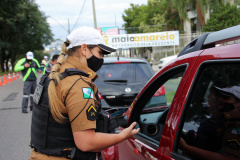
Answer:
(44, 61)
(49, 66)
(28, 68)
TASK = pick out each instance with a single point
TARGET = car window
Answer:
(129, 72)
(143, 72)
(123, 71)
(156, 103)
(211, 123)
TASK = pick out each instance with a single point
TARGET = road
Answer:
(15, 126)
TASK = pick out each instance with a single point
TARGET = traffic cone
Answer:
(5, 79)
(13, 77)
(1, 82)
(9, 77)
(17, 75)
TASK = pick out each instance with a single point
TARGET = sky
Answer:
(59, 12)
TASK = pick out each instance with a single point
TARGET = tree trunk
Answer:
(200, 15)
(198, 26)
(3, 59)
(13, 60)
(6, 62)
(187, 31)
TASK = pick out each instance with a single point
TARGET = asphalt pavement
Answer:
(14, 125)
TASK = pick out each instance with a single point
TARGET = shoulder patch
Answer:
(90, 73)
(87, 93)
(91, 113)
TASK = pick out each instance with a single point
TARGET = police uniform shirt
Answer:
(231, 139)
(80, 100)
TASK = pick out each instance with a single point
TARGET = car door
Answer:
(203, 131)
(150, 116)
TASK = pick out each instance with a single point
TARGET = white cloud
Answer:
(108, 12)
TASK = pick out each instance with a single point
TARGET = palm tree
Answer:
(200, 6)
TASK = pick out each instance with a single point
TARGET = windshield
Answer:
(125, 72)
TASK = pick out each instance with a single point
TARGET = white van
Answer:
(162, 62)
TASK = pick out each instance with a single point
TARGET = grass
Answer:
(170, 96)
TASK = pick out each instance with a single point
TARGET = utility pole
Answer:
(94, 15)
(68, 27)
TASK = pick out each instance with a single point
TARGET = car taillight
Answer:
(122, 62)
(99, 95)
(160, 91)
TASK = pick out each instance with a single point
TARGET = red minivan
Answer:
(199, 122)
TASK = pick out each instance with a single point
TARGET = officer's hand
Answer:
(39, 70)
(26, 65)
(129, 132)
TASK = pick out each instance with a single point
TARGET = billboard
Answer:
(168, 38)
(108, 30)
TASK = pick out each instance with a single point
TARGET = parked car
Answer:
(121, 79)
(162, 62)
(188, 119)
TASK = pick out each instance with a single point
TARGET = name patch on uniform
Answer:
(87, 93)
(37, 93)
(91, 113)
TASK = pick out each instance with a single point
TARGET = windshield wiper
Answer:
(116, 81)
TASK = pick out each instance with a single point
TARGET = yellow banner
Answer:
(169, 38)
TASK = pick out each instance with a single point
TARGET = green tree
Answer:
(200, 6)
(133, 17)
(224, 17)
(155, 18)
(23, 28)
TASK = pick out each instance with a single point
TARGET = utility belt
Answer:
(74, 154)
(64, 153)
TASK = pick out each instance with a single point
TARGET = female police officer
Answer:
(68, 129)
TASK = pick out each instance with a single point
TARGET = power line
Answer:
(79, 15)
(59, 24)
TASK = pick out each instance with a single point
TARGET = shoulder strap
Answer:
(73, 71)
(66, 73)
(43, 78)
(70, 72)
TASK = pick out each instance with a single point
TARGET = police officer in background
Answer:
(49, 66)
(28, 67)
(44, 61)
(67, 130)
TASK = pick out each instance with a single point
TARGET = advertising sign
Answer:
(108, 30)
(168, 38)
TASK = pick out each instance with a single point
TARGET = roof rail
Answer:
(209, 40)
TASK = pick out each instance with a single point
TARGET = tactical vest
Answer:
(29, 74)
(48, 136)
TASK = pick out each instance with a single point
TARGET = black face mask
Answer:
(94, 63)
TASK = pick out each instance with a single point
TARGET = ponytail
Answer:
(57, 107)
